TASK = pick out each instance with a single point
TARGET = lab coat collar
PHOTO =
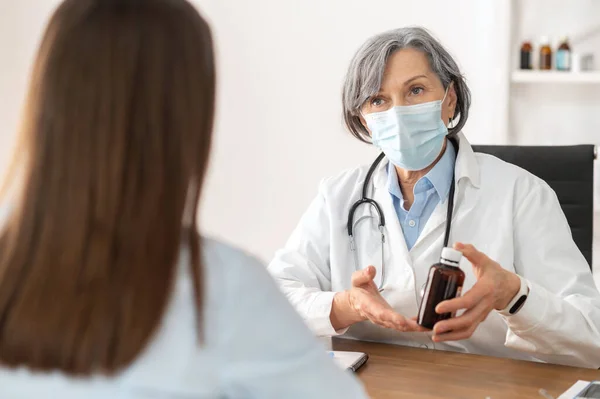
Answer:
(466, 166)
(466, 162)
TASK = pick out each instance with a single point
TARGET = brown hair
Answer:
(114, 149)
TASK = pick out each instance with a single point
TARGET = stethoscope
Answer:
(369, 201)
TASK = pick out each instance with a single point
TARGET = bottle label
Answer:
(563, 60)
(458, 291)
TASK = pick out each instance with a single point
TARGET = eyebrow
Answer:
(407, 82)
(414, 78)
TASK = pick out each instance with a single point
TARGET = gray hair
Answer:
(365, 74)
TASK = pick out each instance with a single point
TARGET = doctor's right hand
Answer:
(364, 302)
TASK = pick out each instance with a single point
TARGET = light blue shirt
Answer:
(429, 191)
(254, 346)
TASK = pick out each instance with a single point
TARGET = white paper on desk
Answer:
(574, 390)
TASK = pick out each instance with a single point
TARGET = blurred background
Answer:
(281, 64)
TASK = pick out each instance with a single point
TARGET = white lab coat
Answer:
(506, 212)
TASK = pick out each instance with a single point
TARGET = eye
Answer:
(416, 90)
(376, 101)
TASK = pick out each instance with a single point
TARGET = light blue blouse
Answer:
(255, 346)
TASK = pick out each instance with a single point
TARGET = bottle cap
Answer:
(544, 40)
(451, 254)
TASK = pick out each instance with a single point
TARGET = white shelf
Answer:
(555, 77)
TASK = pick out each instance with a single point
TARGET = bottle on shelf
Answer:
(545, 54)
(563, 55)
(526, 53)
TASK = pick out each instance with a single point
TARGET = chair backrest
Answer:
(569, 170)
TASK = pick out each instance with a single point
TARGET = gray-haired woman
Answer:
(360, 256)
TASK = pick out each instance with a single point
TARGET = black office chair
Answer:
(569, 170)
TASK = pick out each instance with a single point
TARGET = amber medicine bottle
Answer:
(545, 54)
(445, 281)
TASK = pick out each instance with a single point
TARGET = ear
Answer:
(451, 100)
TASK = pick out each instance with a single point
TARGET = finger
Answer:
(362, 277)
(376, 319)
(471, 317)
(387, 325)
(412, 325)
(396, 320)
(406, 325)
(467, 301)
(393, 325)
(386, 317)
(476, 258)
(455, 335)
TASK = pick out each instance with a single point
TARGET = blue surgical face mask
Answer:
(411, 136)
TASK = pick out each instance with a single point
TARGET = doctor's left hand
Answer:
(494, 289)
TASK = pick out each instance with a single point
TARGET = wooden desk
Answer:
(401, 372)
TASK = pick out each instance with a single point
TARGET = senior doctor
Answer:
(528, 293)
